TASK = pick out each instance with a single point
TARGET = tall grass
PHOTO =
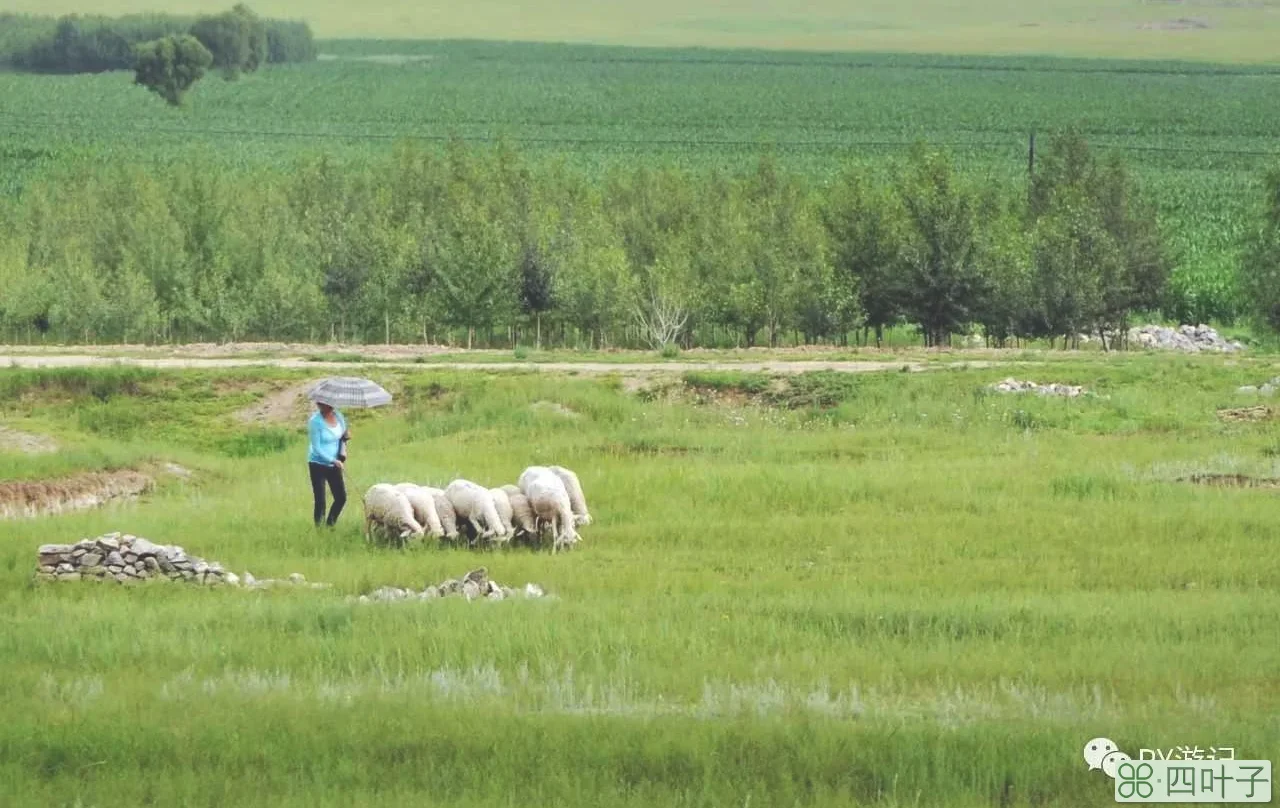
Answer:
(895, 593)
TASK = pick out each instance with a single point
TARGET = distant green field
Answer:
(1197, 135)
(1223, 30)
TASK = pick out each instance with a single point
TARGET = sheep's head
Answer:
(584, 519)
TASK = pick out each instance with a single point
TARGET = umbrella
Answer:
(342, 391)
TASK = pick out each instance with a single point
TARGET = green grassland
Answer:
(889, 588)
(1224, 31)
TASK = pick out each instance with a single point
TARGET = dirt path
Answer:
(627, 368)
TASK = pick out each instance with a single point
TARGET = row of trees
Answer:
(238, 40)
(484, 247)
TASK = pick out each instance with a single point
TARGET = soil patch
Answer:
(278, 407)
(554, 408)
(647, 448)
(27, 498)
(25, 442)
(1248, 414)
(378, 58)
(1232, 481)
(1180, 24)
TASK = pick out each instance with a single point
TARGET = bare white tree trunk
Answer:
(661, 319)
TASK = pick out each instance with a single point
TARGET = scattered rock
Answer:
(130, 559)
(475, 585)
(1012, 385)
(1185, 338)
(1265, 389)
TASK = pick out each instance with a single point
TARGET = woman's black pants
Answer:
(333, 475)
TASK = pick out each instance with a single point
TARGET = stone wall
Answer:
(125, 558)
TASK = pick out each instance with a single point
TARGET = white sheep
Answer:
(444, 510)
(474, 503)
(577, 501)
(389, 510)
(523, 520)
(549, 500)
(502, 504)
(424, 507)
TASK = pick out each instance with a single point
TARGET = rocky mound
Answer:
(1185, 338)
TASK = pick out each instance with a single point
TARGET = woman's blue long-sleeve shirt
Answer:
(325, 442)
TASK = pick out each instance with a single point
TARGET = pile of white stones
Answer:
(475, 585)
(128, 559)
(1012, 385)
(1185, 338)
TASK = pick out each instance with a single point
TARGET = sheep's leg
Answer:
(433, 525)
(564, 526)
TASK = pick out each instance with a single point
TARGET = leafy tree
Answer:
(1008, 308)
(864, 224)
(1260, 267)
(170, 66)
(943, 281)
(1072, 255)
(472, 250)
(290, 41)
(1136, 269)
(236, 38)
(593, 284)
(537, 286)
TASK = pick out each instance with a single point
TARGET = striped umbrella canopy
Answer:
(344, 391)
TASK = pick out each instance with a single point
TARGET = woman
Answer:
(328, 432)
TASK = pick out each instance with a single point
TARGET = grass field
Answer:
(1194, 29)
(882, 589)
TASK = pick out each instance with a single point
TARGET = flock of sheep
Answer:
(546, 499)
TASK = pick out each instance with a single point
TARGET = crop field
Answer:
(835, 589)
(1197, 136)
(1222, 30)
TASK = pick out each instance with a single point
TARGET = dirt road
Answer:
(625, 368)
